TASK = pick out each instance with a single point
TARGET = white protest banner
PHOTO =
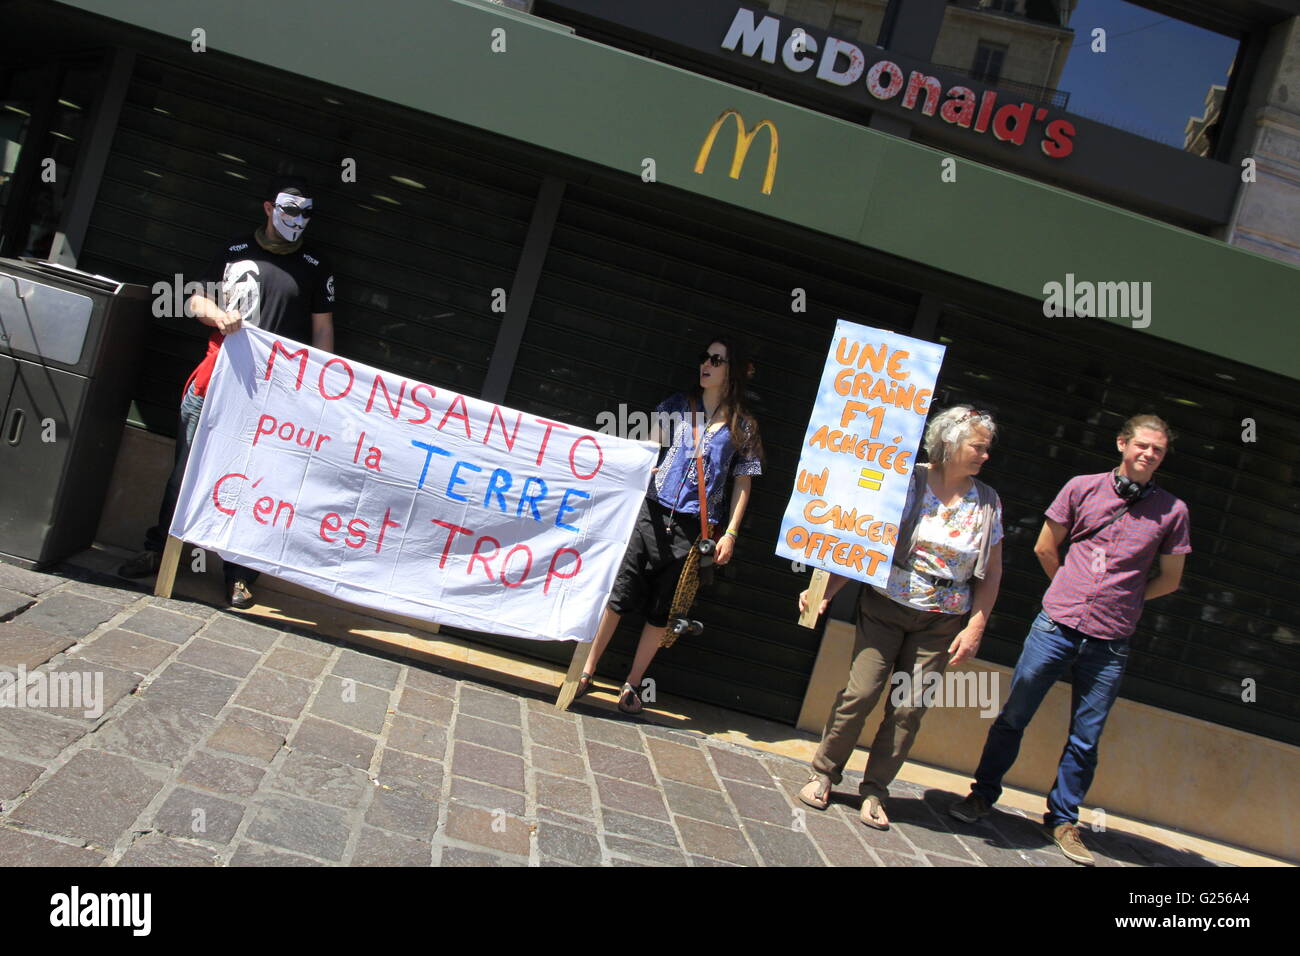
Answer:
(397, 495)
(859, 451)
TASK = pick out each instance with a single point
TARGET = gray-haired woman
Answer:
(942, 585)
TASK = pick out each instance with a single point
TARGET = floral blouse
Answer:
(947, 547)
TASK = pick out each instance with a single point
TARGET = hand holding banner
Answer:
(397, 495)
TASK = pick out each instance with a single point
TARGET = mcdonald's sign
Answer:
(744, 139)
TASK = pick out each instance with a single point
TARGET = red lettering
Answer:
(1060, 139)
(547, 435)
(216, 490)
(452, 531)
(933, 90)
(259, 510)
(377, 385)
(884, 91)
(463, 415)
(987, 102)
(354, 532)
(508, 441)
(325, 368)
(264, 431)
(1011, 123)
(487, 568)
(383, 529)
(527, 566)
(276, 346)
(551, 572)
(960, 107)
(428, 412)
(599, 461)
(331, 522)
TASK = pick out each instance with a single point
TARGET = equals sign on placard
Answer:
(871, 479)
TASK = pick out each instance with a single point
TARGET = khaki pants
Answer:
(889, 638)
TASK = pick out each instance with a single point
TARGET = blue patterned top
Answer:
(674, 485)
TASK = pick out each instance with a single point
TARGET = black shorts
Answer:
(652, 565)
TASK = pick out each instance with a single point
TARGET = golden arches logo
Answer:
(744, 139)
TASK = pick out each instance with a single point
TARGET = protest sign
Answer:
(859, 451)
(397, 495)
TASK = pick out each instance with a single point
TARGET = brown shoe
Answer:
(816, 793)
(240, 596)
(971, 810)
(1066, 836)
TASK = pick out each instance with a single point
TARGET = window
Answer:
(988, 62)
(42, 114)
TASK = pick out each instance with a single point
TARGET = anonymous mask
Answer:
(290, 216)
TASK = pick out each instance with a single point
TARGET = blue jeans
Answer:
(1098, 669)
(156, 537)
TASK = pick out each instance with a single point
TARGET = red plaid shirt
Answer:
(1101, 586)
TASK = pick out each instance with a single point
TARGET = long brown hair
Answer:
(740, 421)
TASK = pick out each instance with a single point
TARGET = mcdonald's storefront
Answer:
(630, 209)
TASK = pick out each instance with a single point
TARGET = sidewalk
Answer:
(225, 741)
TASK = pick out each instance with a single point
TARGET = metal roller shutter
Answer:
(1061, 389)
(636, 280)
(431, 226)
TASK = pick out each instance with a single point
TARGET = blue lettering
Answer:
(565, 506)
(455, 479)
(429, 452)
(531, 500)
(499, 482)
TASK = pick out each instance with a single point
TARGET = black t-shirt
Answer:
(274, 292)
(277, 293)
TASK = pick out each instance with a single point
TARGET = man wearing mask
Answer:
(1119, 525)
(269, 280)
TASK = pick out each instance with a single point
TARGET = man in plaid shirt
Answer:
(1119, 524)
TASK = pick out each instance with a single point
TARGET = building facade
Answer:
(554, 154)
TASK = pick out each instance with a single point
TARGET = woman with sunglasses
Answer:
(710, 420)
(932, 612)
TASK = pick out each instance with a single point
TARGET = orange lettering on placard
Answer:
(812, 484)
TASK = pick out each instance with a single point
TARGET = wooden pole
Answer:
(570, 685)
(816, 591)
(171, 559)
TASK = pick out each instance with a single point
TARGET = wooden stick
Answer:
(171, 559)
(816, 591)
(570, 685)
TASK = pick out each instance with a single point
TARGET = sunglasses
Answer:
(295, 211)
(713, 359)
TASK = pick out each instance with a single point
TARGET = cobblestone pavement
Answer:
(226, 742)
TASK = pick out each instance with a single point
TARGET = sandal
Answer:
(584, 686)
(816, 793)
(629, 701)
(870, 807)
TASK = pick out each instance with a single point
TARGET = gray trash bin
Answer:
(71, 345)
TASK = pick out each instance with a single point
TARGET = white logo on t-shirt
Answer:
(241, 290)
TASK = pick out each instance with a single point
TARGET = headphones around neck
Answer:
(1130, 490)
